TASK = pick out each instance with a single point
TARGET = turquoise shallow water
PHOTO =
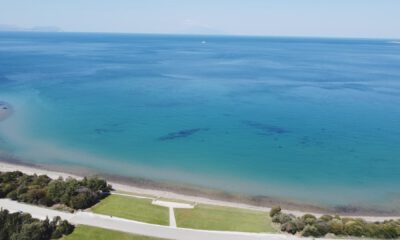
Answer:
(312, 120)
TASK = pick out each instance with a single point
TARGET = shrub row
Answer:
(18, 226)
(310, 226)
(42, 190)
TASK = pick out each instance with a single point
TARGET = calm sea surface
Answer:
(312, 120)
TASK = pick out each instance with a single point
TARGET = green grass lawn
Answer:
(83, 232)
(133, 208)
(223, 218)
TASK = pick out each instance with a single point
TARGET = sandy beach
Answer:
(132, 188)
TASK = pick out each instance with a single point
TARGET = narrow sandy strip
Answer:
(134, 196)
(4, 167)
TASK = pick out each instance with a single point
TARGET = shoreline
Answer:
(185, 193)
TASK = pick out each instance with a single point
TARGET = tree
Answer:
(83, 200)
(42, 190)
(274, 211)
(20, 226)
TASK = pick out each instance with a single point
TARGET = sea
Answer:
(310, 120)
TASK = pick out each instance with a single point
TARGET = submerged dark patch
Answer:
(181, 134)
(307, 141)
(105, 130)
(346, 209)
(266, 128)
(4, 106)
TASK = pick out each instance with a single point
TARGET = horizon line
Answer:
(207, 35)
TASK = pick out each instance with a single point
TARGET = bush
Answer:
(322, 227)
(274, 211)
(309, 219)
(310, 226)
(282, 218)
(310, 231)
(354, 228)
(336, 227)
(62, 228)
(289, 227)
(382, 230)
(299, 224)
(326, 218)
(293, 226)
(12, 195)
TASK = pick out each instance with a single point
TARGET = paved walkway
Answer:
(172, 219)
(134, 227)
(171, 206)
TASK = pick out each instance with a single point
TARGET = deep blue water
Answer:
(312, 120)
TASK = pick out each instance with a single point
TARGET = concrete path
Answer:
(134, 227)
(171, 206)
(168, 204)
(172, 219)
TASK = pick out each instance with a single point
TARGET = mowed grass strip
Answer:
(209, 217)
(83, 232)
(133, 208)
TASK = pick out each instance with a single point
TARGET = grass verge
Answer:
(133, 208)
(210, 217)
(83, 232)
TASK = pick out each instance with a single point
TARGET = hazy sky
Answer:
(339, 18)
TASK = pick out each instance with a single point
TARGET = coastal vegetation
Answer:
(20, 226)
(83, 232)
(139, 209)
(67, 193)
(310, 226)
(72, 194)
(210, 217)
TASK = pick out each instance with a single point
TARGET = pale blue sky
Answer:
(337, 18)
